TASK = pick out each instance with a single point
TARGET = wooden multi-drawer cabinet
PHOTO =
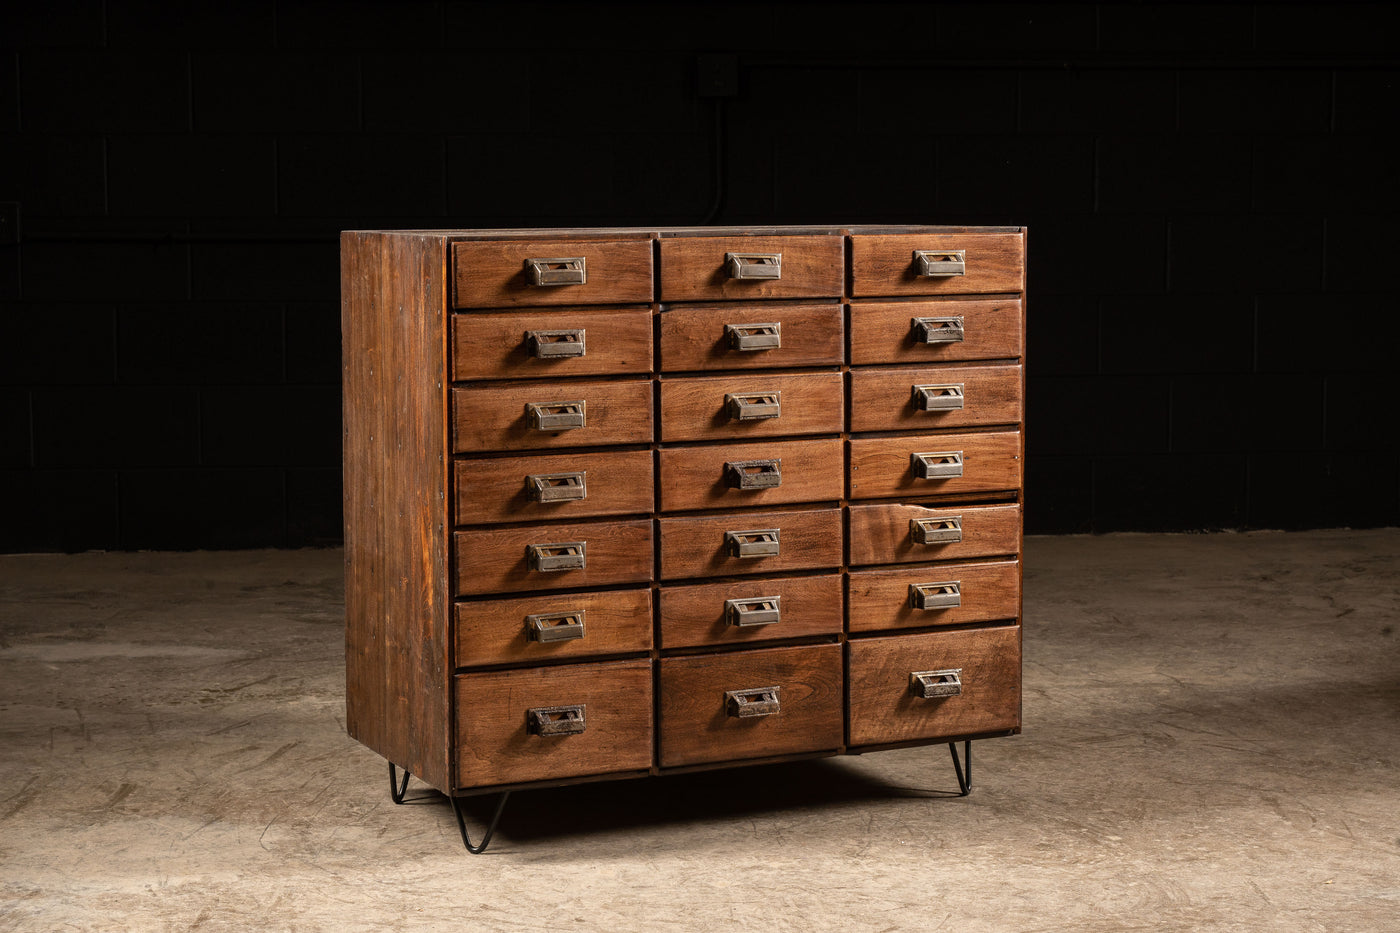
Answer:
(624, 501)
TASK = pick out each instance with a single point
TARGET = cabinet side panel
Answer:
(396, 589)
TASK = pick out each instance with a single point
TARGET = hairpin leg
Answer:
(964, 778)
(396, 790)
(486, 839)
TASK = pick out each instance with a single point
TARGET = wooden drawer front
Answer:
(492, 273)
(496, 344)
(697, 338)
(696, 720)
(884, 264)
(881, 599)
(885, 534)
(500, 489)
(885, 332)
(700, 546)
(491, 417)
(540, 628)
(701, 615)
(697, 477)
(886, 399)
(883, 466)
(496, 560)
(695, 409)
(494, 741)
(697, 268)
(885, 709)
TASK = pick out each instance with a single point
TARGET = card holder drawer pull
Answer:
(934, 330)
(754, 265)
(760, 542)
(556, 720)
(753, 474)
(943, 464)
(557, 556)
(556, 344)
(549, 627)
(945, 530)
(556, 487)
(748, 337)
(934, 685)
(567, 271)
(755, 701)
(939, 263)
(754, 406)
(759, 610)
(939, 397)
(927, 596)
(557, 416)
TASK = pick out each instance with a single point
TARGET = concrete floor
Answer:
(1212, 735)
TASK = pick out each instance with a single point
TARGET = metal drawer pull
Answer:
(555, 344)
(568, 271)
(556, 720)
(760, 542)
(945, 530)
(756, 701)
(557, 416)
(936, 263)
(939, 398)
(932, 685)
(555, 626)
(754, 265)
(937, 329)
(556, 487)
(753, 474)
(561, 555)
(942, 464)
(746, 337)
(946, 595)
(760, 610)
(753, 407)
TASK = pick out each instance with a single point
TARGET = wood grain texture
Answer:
(494, 489)
(492, 560)
(693, 268)
(810, 539)
(880, 598)
(694, 477)
(491, 273)
(393, 323)
(883, 709)
(883, 399)
(493, 417)
(694, 338)
(884, 265)
(692, 616)
(695, 725)
(882, 332)
(493, 345)
(493, 631)
(880, 466)
(493, 746)
(879, 534)
(692, 409)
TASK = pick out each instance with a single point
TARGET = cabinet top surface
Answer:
(650, 232)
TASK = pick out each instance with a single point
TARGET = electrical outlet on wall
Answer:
(717, 75)
(9, 223)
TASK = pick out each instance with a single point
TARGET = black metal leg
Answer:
(964, 777)
(396, 790)
(486, 839)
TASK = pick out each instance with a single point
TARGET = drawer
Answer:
(929, 398)
(936, 594)
(933, 331)
(799, 471)
(887, 264)
(956, 463)
(762, 609)
(700, 722)
(701, 268)
(891, 533)
(490, 417)
(753, 336)
(544, 488)
(497, 744)
(743, 542)
(885, 707)
(552, 627)
(701, 409)
(539, 344)
(498, 273)
(533, 557)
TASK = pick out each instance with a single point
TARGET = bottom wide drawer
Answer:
(943, 684)
(550, 723)
(750, 704)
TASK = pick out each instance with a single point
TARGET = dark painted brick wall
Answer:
(1210, 190)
